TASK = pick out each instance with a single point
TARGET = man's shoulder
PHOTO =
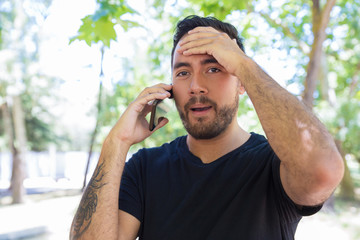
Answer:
(162, 152)
(256, 141)
(166, 148)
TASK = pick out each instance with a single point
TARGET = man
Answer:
(218, 182)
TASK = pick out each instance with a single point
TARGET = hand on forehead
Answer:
(210, 41)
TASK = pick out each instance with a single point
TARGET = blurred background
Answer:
(68, 69)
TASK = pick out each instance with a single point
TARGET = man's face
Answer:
(206, 95)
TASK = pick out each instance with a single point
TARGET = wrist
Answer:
(113, 147)
(246, 70)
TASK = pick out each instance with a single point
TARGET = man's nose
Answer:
(198, 85)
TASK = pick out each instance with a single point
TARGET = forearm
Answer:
(97, 215)
(292, 129)
(313, 166)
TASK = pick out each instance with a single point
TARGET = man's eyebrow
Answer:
(181, 64)
(209, 60)
(203, 62)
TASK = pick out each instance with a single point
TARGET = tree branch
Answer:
(316, 17)
(286, 30)
(321, 19)
(325, 14)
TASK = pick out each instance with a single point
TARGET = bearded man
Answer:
(219, 181)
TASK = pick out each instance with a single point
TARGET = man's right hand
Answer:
(132, 127)
(100, 201)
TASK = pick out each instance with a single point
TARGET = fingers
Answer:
(197, 46)
(200, 32)
(162, 123)
(143, 103)
(203, 40)
(160, 88)
(132, 126)
(149, 94)
(146, 110)
(197, 37)
(207, 40)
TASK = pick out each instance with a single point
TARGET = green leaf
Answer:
(85, 31)
(104, 31)
(100, 25)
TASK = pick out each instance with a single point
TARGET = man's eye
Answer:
(214, 70)
(181, 74)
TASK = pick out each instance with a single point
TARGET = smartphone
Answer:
(158, 111)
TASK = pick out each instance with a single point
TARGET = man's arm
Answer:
(98, 215)
(311, 167)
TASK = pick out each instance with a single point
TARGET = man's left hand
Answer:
(207, 40)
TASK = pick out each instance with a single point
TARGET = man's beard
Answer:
(207, 130)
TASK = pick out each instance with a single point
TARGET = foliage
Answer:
(5, 17)
(267, 25)
(343, 60)
(39, 122)
(220, 9)
(99, 27)
(18, 72)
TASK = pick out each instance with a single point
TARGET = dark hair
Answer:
(193, 21)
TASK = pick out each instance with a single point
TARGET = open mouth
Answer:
(200, 109)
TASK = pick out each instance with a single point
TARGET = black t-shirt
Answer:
(239, 196)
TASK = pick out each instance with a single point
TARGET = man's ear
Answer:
(241, 88)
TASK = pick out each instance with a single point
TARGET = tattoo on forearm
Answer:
(89, 202)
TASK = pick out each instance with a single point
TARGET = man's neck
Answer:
(209, 150)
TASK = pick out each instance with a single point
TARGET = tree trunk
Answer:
(17, 179)
(98, 115)
(347, 190)
(320, 20)
(9, 131)
(323, 78)
(93, 135)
